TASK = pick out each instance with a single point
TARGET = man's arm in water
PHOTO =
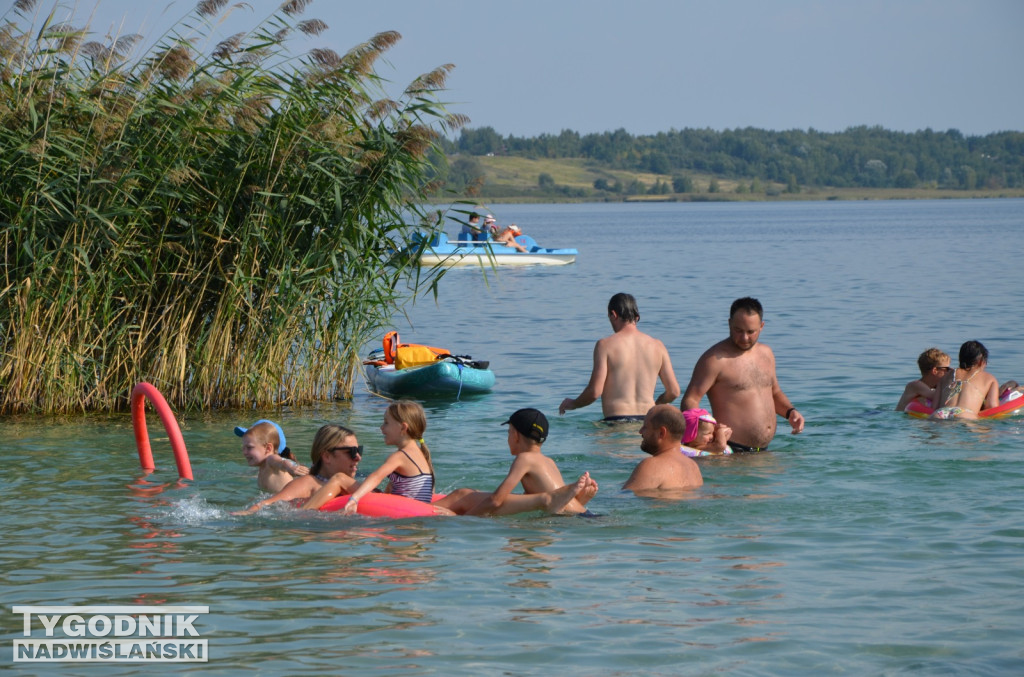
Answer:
(594, 388)
(668, 379)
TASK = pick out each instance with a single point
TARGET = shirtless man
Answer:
(738, 376)
(627, 365)
(965, 391)
(667, 469)
(542, 482)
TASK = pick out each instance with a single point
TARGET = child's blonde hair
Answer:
(412, 415)
(328, 437)
(930, 359)
(265, 433)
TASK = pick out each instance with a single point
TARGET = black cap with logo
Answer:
(531, 423)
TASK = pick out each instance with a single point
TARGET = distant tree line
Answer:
(870, 157)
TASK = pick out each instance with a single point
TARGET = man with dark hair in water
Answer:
(738, 376)
(627, 366)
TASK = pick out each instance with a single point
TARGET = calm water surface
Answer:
(869, 544)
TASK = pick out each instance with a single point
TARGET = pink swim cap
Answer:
(693, 418)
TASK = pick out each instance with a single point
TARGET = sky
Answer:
(531, 67)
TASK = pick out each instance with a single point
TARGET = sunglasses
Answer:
(353, 452)
(943, 369)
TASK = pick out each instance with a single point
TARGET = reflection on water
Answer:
(528, 562)
(850, 548)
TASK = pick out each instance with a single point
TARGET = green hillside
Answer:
(519, 179)
(737, 164)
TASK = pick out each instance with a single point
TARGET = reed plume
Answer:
(230, 226)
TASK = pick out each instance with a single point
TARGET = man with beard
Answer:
(668, 469)
(738, 376)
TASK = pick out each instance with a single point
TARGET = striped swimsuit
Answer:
(418, 487)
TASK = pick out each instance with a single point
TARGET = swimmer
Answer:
(263, 445)
(933, 364)
(704, 435)
(627, 366)
(335, 455)
(968, 389)
(666, 469)
(538, 474)
(408, 469)
(1010, 391)
(738, 376)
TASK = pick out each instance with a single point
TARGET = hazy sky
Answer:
(527, 67)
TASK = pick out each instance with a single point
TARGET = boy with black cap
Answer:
(527, 430)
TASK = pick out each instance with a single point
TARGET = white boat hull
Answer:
(441, 252)
(471, 258)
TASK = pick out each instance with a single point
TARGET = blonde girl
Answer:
(408, 470)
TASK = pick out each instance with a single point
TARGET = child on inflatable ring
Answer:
(704, 435)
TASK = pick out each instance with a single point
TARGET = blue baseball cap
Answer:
(239, 430)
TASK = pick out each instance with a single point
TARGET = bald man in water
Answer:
(668, 469)
(627, 366)
(738, 376)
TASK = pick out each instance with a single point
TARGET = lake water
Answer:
(870, 544)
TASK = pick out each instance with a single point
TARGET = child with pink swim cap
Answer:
(704, 435)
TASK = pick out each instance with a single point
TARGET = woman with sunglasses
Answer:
(408, 469)
(335, 455)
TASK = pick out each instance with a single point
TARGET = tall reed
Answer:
(229, 226)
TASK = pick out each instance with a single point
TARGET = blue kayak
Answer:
(452, 376)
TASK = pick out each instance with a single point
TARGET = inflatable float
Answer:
(147, 391)
(1014, 407)
(699, 453)
(385, 505)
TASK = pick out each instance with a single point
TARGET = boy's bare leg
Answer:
(470, 502)
(462, 501)
(561, 498)
(553, 502)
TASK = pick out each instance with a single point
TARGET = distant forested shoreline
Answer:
(749, 160)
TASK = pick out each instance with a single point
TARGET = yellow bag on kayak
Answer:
(416, 355)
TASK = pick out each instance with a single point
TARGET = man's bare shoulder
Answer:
(646, 473)
(665, 471)
(655, 343)
(612, 340)
(718, 351)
